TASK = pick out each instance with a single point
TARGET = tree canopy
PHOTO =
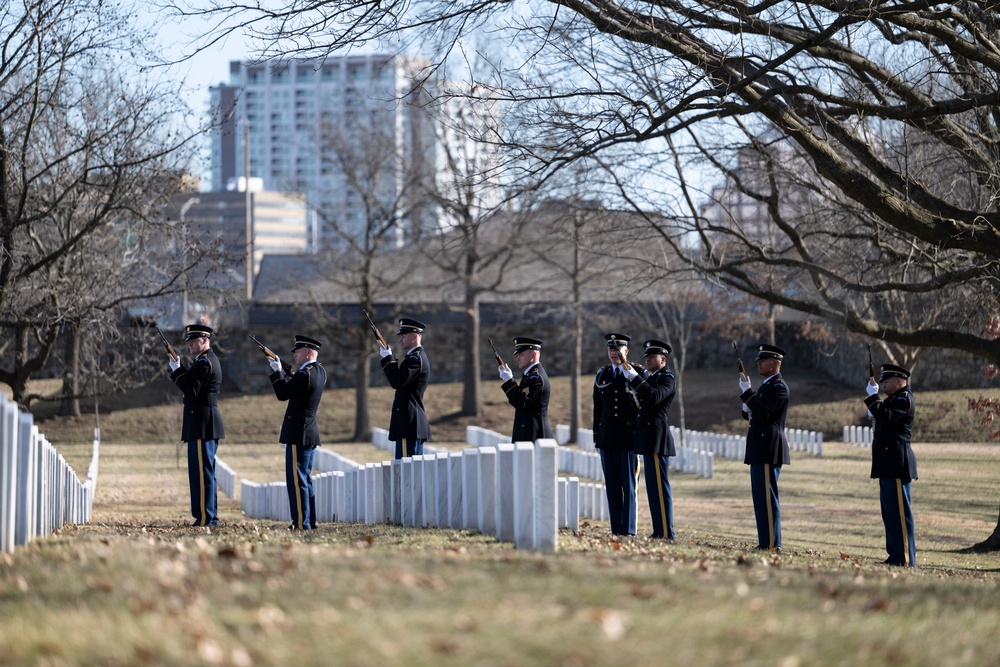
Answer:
(88, 158)
(871, 128)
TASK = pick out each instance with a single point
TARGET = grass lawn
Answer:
(139, 586)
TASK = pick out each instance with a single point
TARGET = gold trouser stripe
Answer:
(902, 522)
(770, 511)
(201, 481)
(298, 490)
(659, 494)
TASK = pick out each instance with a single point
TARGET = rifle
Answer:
(496, 354)
(739, 362)
(378, 336)
(871, 365)
(621, 356)
(170, 349)
(270, 355)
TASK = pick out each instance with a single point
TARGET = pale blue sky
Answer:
(207, 68)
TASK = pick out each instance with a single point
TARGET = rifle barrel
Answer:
(495, 353)
(166, 344)
(739, 361)
(378, 335)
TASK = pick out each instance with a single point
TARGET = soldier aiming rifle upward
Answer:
(378, 336)
(170, 349)
(270, 355)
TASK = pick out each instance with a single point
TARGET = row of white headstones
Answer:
(521, 492)
(39, 491)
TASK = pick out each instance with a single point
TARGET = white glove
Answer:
(384, 351)
(871, 388)
(174, 364)
(630, 372)
(505, 372)
(275, 364)
(744, 384)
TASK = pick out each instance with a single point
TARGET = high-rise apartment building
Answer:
(352, 134)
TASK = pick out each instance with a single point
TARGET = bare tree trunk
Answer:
(576, 364)
(679, 392)
(362, 378)
(70, 405)
(18, 380)
(576, 370)
(991, 543)
(472, 404)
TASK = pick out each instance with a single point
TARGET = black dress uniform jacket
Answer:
(409, 378)
(303, 391)
(892, 456)
(530, 399)
(200, 386)
(615, 411)
(766, 442)
(656, 393)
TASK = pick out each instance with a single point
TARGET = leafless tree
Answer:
(478, 238)
(889, 110)
(88, 156)
(361, 243)
(578, 258)
(865, 92)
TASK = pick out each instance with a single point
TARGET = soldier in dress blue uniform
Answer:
(530, 397)
(616, 408)
(767, 447)
(299, 430)
(202, 425)
(408, 425)
(893, 463)
(653, 440)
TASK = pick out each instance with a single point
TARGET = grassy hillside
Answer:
(139, 586)
(710, 403)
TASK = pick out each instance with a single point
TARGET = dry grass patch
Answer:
(138, 586)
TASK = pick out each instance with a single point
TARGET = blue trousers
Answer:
(413, 448)
(897, 515)
(661, 504)
(298, 481)
(620, 470)
(201, 477)
(766, 507)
